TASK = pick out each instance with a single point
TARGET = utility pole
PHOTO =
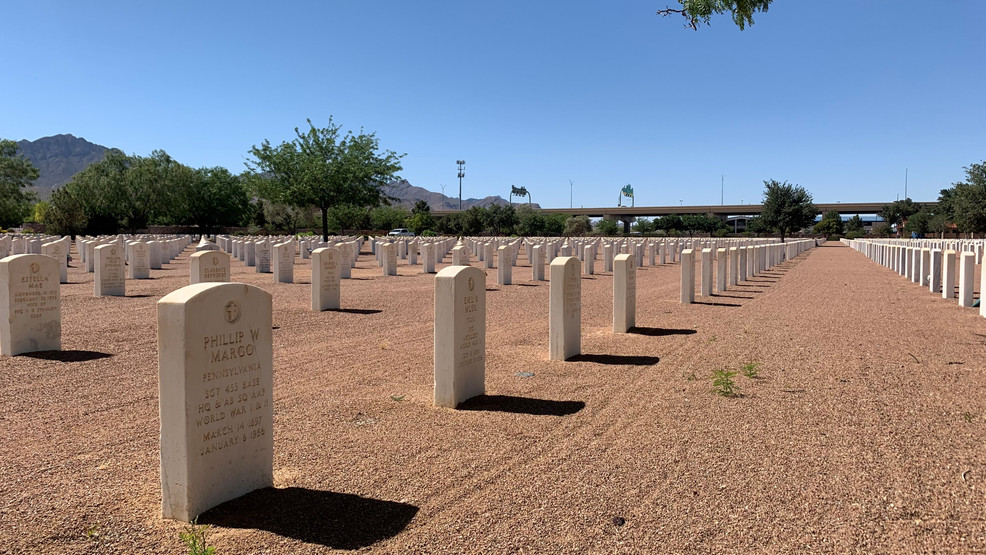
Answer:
(570, 185)
(905, 183)
(722, 189)
(462, 173)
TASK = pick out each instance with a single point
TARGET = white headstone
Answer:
(565, 308)
(59, 251)
(283, 262)
(326, 270)
(215, 361)
(110, 279)
(209, 266)
(30, 304)
(624, 293)
(503, 267)
(688, 276)
(460, 335)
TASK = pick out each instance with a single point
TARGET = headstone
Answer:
(215, 360)
(934, 285)
(389, 259)
(460, 255)
(262, 249)
(688, 276)
(503, 267)
(624, 293)
(206, 245)
(208, 266)
(565, 308)
(110, 279)
(139, 261)
(487, 252)
(733, 265)
(155, 258)
(537, 263)
(326, 276)
(460, 335)
(283, 262)
(30, 304)
(967, 269)
(948, 274)
(59, 251)
(706, 272)
(721, 264)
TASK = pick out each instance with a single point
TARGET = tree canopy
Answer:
(323, 168)
(786, 208)
(964, 204)
(17, 173)
(698, 12)
(830, 225)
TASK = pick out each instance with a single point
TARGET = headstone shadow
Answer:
(355, 310)
(660, 332)
(731, 296)
(521, 405)
(333, 520)
(623, 360)
(718, 304)
(67, 356)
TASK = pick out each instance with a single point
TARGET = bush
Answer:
(429, 233)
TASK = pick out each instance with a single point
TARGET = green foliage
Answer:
(499, 220)
(671, 222)
(786, 208)
(530, 222)
(883, 229)
(965, 203)
(723, 384)
(286, 218)
(830, 225)
(854, 223)
(429, 233)
(40, 210)
(194, 537)
(66, 213)
(750, 370)
(17, 173)
(854, 234)
(554, 224)
(388, 217)
(608, 227)
(697, 12)
(323, 168)
(643, 225)
(578, 225)
(896, 212)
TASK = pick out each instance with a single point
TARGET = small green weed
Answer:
(713, 339)
(750, 369)
(967, 416)
(194, 538)
(690, 377)
(723, 384)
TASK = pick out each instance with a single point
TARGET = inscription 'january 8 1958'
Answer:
(234, 399)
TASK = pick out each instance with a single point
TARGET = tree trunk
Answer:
(325, 223)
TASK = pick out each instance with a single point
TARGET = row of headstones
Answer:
(929, 267)
(734, 265)
(215, 360)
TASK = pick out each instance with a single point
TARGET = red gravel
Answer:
(863, 432)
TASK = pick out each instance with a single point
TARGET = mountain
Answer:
(58, 158)
(408, 194)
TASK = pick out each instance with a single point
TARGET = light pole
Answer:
(570, 185)
(462, 173)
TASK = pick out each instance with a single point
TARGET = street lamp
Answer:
(462, 173)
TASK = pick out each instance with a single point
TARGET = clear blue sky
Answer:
(839, 96)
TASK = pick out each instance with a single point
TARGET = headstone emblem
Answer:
(35, 267)
(113, 251)
(215, 260)
(232, 310)
(472, 284)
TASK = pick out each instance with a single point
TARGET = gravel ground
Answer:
(863, 431)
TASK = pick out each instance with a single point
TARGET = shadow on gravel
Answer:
(334, 520)
(660, 332)
(733, 296)
(527, 284)
(139, 296)
(67, 356)
(718, 304)
(630, 360)
(521, 405)
(355, 310)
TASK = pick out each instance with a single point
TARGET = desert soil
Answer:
(863, 432)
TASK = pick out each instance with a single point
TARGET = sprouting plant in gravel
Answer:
(723, 384)
(750, 369)
(194, 538)
(690, 377)
(967, 416)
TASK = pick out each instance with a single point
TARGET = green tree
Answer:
(421, 218)
(786, 208)
(578, 225)
(40, 210)
(756, 226)
(500, 220)
(554, 224)
(697, 12)
(17, 173)
(967, 201)
(530, 221)
(209, 198)
(643, 225)
(66, 213)
(854, 224)
(323, 168)
(608, 227)
(897, 212)
(670, 223)
(388, 217)
(830, 225)
(920, 222)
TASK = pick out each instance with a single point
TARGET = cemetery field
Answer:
(863, 430)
